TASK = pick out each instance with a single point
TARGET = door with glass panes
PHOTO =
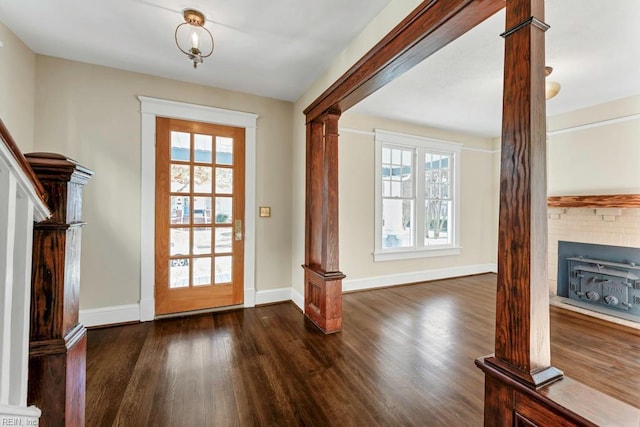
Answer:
(199, 216)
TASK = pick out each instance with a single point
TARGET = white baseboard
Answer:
(135, 312)
(19, 415)
(110, 315)
(349, 285)
(250, 297)
(147, 309)
(297, 298)
(280, 295)
(270, 296)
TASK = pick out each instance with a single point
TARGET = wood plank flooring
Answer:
(404, 357)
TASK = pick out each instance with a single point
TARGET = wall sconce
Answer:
(192, 31)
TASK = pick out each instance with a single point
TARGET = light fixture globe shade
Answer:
(551, 89)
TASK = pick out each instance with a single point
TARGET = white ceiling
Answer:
(274, 48)
(593, 46)
(277, 48)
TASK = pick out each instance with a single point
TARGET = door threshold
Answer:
(196, 312)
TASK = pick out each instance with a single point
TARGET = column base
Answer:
(57, 373)
(536, 379)
(323, 299)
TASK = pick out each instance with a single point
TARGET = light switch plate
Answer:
(265, 211)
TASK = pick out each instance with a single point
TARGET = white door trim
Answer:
(150, 108)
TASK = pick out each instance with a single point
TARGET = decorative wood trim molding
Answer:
(602, 201)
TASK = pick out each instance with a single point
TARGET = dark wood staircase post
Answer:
(322, 276)
(57, 341)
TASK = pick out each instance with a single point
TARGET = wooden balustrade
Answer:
(22, 204)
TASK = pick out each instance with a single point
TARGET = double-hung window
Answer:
(417, 196)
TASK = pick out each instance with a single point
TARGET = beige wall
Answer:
(595, 160)
(17, 69)
(92, 114)
(357, 200)
(390, 16)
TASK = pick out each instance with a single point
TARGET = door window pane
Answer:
(223, 239)
(201, 271)
(180, 178)
(201, 241)
(179, 209)
(202, 210)
(224, 180)
(224, 150)
(397, 227)
(180, 146)
(224, 210)
(178, 273)
(202, 148)
(223, 269)
(202, 177)
(179, 241)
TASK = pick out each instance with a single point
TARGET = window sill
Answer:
(394, 255)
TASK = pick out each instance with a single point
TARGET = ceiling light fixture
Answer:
(551, 89)
(196, 35)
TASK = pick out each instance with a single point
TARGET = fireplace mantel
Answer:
(602, 201)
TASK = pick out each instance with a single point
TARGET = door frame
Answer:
(150, 108)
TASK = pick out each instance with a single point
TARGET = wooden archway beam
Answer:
(519, 383)
(430, 27)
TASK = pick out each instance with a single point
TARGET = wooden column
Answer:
(322, 276)
(522, 347)
(57, 341)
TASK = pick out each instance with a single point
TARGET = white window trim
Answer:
(384, 137)
(150, 108)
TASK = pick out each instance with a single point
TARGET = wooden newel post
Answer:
(57, 341)
(322, 276)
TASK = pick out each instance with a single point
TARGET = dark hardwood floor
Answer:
(404, 357)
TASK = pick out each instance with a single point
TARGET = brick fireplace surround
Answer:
(606, 220)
